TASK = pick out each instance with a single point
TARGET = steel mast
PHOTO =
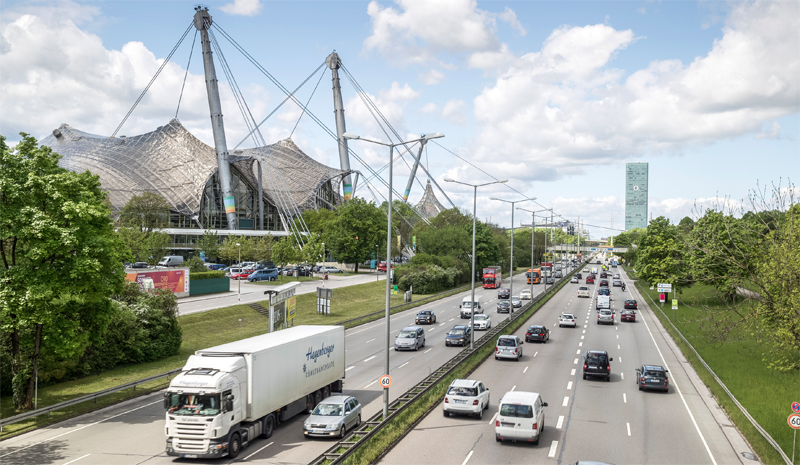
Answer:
(202, 21)
(334, 63)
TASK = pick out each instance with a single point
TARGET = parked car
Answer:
(617, 283)
(597, 363)
(332, 269)
(482, 322)
(605, 316)
(537, 333)
(216, 266)
(525, 294)
(631, 304)
(242, 274)
(503, 306)
(574, 280)
(411, 337)
(425, 316)
(503, 293)
(508, 347)
(263, 275)
(333, 416)
(520, 417)
(567, 319)
(382, 266)
(458, 336)
(466, 397)
(516, 302)
(628, 315)
(652, 377)
(232, 271)
(140, 265)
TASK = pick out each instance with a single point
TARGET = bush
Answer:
(205, 275)
(196, 265)
(428, 279)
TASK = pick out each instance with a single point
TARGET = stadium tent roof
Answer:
(429, 206)
(173, 162)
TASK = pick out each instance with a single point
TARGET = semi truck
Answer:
(228, 395)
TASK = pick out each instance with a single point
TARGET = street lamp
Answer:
(323, 264)
(511, 290)
(422, 139)
(474, 213)
(377, 262)
(239, 277)
(533, 233)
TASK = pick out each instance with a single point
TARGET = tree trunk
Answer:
(356, 267)
(37, 342)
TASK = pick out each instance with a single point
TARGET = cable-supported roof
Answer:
(429, 206)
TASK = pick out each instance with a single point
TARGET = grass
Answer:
(765, 393)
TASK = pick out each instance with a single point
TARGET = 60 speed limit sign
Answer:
(386, 381)
(794, 421)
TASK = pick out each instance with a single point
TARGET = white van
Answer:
(583, 291)
(603, 301)
(521, 417)
(467, 305)
(171, 260)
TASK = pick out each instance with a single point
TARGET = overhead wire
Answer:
(186, 74)
(303, 112)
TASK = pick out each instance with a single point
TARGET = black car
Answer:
(604, 283)
(538, 333)
(140, 265)
(458, 336)
(503, 293)
(425, 316)
(631, 303)
(604, 291)
(579, 276)
(597, 363)
(504, 306)
(603, 275)
(652, 377)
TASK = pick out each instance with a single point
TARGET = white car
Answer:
(574, 280)
(583, 291)
(466, 397)
(482, 322)
(525, 294)
(566, 319)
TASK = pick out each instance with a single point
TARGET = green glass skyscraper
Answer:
(636, 178)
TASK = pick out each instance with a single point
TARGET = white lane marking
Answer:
(441, 324)
(523, 371)
(624, 398)
(629, 432)
(584, 331)
(367, 360)
(370, 384)
(560, 421)
(349, 368)
(553, 447)
(580, 344)
(493, 417)
(569, 385)
(575, 362)
(696, 427)
(515, 386)
(451, 319)
(73, 461)
(431, 329)
(467, 459)
(620, 359)
(566, 402)
(369, 341)
(428, 350)
(578, 352)
(617, 329)
(537, 353)
(583, 337)
(584, 326)
(401, 366)
(617, 346)
(572, 373)
(254, 453)
(622, 375)
(82, 427)
(617, 336)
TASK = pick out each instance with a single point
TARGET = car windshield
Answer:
(536, 330)
(516, 297)
(506, 342)
(424, 313)
(456, 332)
(480, 317)
(466, 304)
(407, 334)
(567, 316)
(328, 410)
(194, 404)
(462, 391)
(516, 410)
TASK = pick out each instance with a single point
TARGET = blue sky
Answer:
(554, 96)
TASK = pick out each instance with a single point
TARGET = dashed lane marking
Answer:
(560, 421)
(428, 350)
(553, 447)
(575, 362)
(624, 398)
(622, 375)
(578, 352)
(367, 360)
(566, 402)
(537, 353)
(467, 459)
(254, 453)
(523, 371)
(369, 341)
(572, 373)
(401, 366)
(629, 428)
(349, 368)
(515, 386)
(73, 461)
(370, 384)
(569, 386)
(491, 422)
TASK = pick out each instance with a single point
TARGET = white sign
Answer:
(386, 381)
(664, 287)
(794, 421)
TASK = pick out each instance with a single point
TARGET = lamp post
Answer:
(511, 290)
(474, 213)
(425, 137)
(533, 232)
(323, 264)
(239, 277)
(377, 262)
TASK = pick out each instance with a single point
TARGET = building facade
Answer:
(636, 185)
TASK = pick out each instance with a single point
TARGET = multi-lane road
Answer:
(133, 432)
(587, 419)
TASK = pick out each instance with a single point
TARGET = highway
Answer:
(132, 432)
(588, 419)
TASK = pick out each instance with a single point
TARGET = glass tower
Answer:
(636, 177)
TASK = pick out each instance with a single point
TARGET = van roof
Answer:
(468, 298)
(519, 397)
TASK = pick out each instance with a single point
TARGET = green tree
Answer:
(263, 248)
(487, 251)
(228, 250)
(61, 260)
(147, 211)
(313, 251)
(284, 252)
(359, 227)
(661, 255)
(317, 221)
(196, 265)
(208, 243)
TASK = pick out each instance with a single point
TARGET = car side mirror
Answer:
(229, 405)
(459, 306)
(611, 359)
(487, 389)
(544, 404)
(166, 401)
(347, 412)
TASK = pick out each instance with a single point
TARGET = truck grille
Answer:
(190, 445)
(191, 429)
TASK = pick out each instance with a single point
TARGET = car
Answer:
(567, 319)
(590, 279)
(549, 280)
(583, 291)
(520, 417)
(516, 302)
(503, 293)
(333, 416)
(481, 322)
(243, 274)
(652, 377)
(538, 333)
(617, 276)
(425, 316)
(466, 397)
(232, 271)
(574, 280)
(603, 275)
(333, 269)
(604, 291)
(382, 266)
(617, 283)
(410, 337)
(263, 275)
(579, 276)
(140, 265)
(597, 363)
(604, 283)
(628, 315)
(558, 274)
(508, 347)
(605, 316)
(459, 335)
(631, 304)
(503, 306)
(525, 294)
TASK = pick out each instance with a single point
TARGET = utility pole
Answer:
(334, 63)
(202, 21)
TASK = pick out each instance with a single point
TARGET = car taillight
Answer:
(535, 426)
(497, 423)
(642, 380)
(608, 367)
(527, 334)
(446, 400)
(666, 380)
(497, 349)
(584, 366)
(475, 402)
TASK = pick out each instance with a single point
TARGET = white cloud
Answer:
(395, 92)
(454, 111)
(430, 108)
(432, 77)
(773, 132)
(493, 62)
(243, 7)
(510, 17)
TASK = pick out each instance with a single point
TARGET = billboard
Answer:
(176, 281)
(636, 185)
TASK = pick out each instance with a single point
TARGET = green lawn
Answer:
(765, 393)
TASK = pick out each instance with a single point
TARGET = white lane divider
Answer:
(523, 371)
(566, 402)
(349, 368)
(622, 375)
(584, 331)
(560, 421)
(580, 344)
(428, 350)
(575, 362)
(624, 398)
(583, 337)
(617, 346)
(617, 329)
(401, 366)
(467, 459)
(431, 329)
(629, 428)
(367, 360)
(537, 353)
(515, 386)
(491, 422)
(569, 386)
(617, 336)
(620, 359)
(441, 324)
(370, 384)
(451, 319)
(254, 453)
(369, 341)
(578, 352)
(553, 447)
(572, 373)
(73, 461)
(584, 326)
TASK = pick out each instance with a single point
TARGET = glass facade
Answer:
(636, 179)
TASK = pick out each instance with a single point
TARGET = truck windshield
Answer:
(194, 404)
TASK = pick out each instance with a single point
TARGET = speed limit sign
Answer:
(794, 421)
(386, 381)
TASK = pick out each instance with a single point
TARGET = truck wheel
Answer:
(269, 427)
(326, 392)
(317, 397)
(234, 446)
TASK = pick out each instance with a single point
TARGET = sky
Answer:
(554, 96)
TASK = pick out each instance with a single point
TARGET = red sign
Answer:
(663, 298)
(175, 280)
(796, 407)
(794, 421)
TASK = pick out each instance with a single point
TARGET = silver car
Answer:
(605, 317)
(508, 347)
(516, 302)
(482, 322)
(411, 338)
(333, 416)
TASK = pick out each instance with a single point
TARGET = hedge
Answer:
(206, 275)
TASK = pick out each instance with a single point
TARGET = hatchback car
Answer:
(574, 280)
(604, 291)
(590, 279)
(597, 363)
(652, 377)
(525, 294)
(516, 302)
(558, 274)
(458, 336)
(243, 274)
(425, 316)
(603, 275)
(603, 283)
(333, 416)
(537, 333)
(549, 280)
(631, 304)
(628, 315)
(466, 397)
(503, 306)
(617, 283)
(482, 322)
(617, 276)
(579, 275)
(410, 338)
(503, 293)
(263, 275)
(605, 317)
(508, 347)
(567, 319)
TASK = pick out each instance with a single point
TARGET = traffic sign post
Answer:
(386, 381)
(794, 422)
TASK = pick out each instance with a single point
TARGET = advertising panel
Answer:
(176, 281)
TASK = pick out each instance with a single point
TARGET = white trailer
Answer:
(228, 395)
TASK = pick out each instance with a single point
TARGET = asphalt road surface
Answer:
(588, 419)
(133, 432)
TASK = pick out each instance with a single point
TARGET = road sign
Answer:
(662, 298)
(794, 421)
(662, 287)
(796, 407)
(674, 304)
(386, 381)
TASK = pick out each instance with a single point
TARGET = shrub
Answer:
(206, 275)
(195, 264)
(428, 279)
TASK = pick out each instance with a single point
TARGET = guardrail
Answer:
(78, 400)
(348, 445)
